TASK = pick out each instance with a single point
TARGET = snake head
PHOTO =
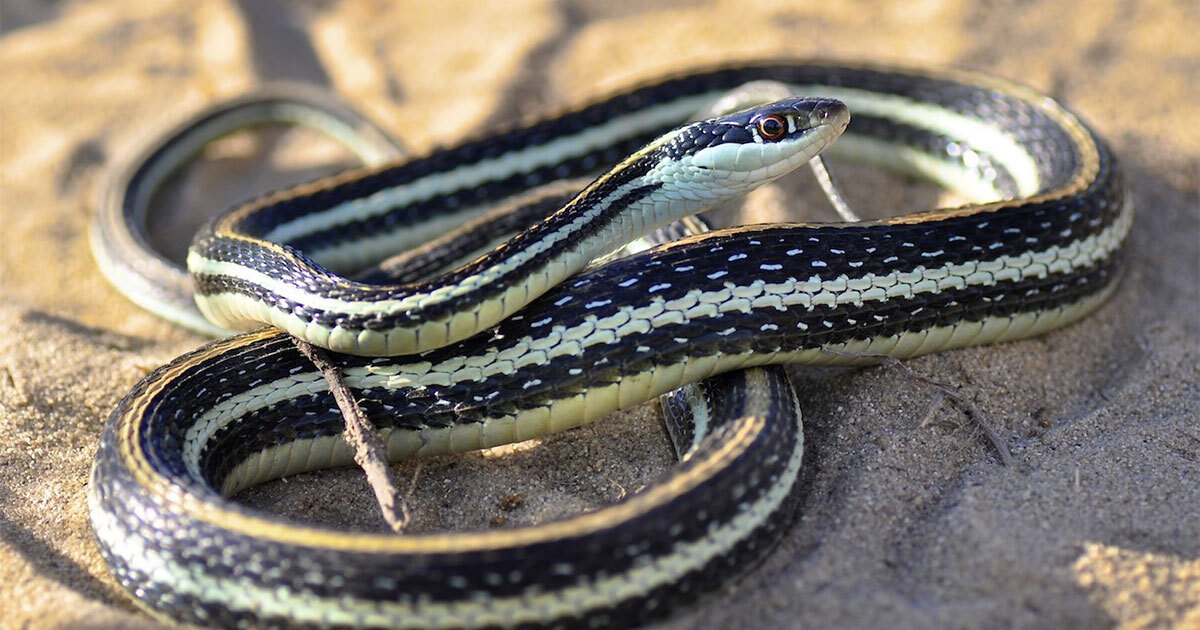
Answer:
(759, 144)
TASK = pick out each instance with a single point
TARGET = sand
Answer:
(907, 519)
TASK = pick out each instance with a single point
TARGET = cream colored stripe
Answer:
(922, 115)
(560, 340)
(493, 169)
(590, 595)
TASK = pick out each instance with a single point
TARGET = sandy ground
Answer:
(908, 519)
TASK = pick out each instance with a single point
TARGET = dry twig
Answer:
(972, 410)
(370, 453)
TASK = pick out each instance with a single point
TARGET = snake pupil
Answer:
(772, 127)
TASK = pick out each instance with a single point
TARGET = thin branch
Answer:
(370, 453)
(981, 420)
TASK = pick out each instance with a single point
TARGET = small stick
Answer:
(973, 411)
(370, 453)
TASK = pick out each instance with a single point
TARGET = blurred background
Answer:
(905, 523)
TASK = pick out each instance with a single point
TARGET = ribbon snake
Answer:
(492, 339)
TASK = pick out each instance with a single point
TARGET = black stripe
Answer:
(757, 470)
(597, 365)
(858, 251)
(267, 363)
(274, 358)
(1051, 147)
(438, 255)
(293, 267)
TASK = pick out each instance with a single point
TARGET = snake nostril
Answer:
(829, 112)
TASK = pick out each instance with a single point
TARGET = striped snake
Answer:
(525, 338)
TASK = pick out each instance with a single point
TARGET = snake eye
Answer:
(772, 127)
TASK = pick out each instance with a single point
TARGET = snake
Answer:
(533, 336)
(119, 234)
